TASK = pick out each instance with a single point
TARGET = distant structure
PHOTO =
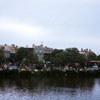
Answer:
(39, 50)
(9, 49)
(86, 52)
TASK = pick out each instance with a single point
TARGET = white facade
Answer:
(40, 50)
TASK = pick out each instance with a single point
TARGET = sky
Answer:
(57, 23)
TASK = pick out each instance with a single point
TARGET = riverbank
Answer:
(51, 73)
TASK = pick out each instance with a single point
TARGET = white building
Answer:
(8, 49)
(40, 50)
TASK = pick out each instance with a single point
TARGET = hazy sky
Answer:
(56, 23)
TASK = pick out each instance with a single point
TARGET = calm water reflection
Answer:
(50, 89)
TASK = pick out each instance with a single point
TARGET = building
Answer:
(8, 49)
(41, 50)
(86, 52)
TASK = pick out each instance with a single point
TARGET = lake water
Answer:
(50, 89)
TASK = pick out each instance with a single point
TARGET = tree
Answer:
(31, 58)
(12, 58)
(2, 57)
(92, 56)
(59, 59)
(56, 51)
(21, 54)
(98, 57)
(82, 60)
(56, 57)
(47, 56)
(72, 55)
(26, 56)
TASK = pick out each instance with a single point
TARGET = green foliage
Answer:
(70, 57)
(47, 56)
(98, 57)
(41, 61)
(2, 57)
(26, 56)
(82, 60)
(92, 56)
(21, 54)
(59, 59)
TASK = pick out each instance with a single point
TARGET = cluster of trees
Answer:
(24, 56)
(71, 57)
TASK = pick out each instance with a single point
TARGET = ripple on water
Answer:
(46, 90)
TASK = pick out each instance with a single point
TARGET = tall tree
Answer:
(72, 54)
(92, 56)
(2, 56)
(26, 55)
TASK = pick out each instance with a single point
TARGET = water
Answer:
(50, 89)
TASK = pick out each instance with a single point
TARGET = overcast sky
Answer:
(56, 23)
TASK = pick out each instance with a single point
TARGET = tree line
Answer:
(69, 56)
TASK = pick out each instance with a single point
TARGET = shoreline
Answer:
(51, 73)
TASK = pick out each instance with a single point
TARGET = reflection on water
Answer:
(50, 89)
